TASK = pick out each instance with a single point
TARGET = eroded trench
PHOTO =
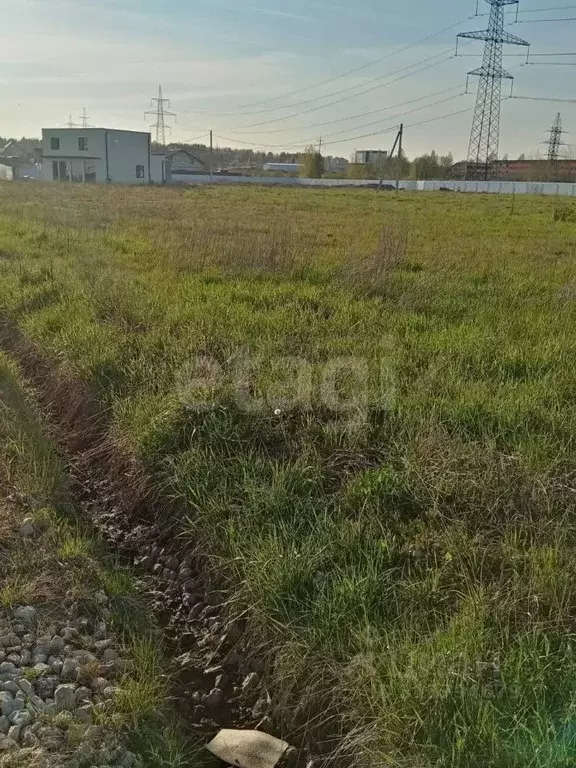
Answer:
(222, 672)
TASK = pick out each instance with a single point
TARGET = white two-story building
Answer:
(101, 155)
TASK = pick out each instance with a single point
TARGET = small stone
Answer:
(19, 630)
(57, 667)
(26, 686)
(56, 645)
(7, 744)
(99, 684)
(37, 703)
(11, 686)
(4, 725)
(28, 638)
(14, 732)
(213, 699)
(21, 695)
(102, 645)
(68, 634)
(69, 669)
(14, 658)
(27, 530)
(83, 694)
(25, 613)
(251, 682)
(21, 718)
(99, 630)
(7, 668)
(51, 709)
(261, 708)
(41, 668)
(11, 706)
(84, 714)
(65, 698)
(29, 740)
(25, 658)
(109, 692)
(39, 658)
(45, 686)
(110, 654)
(94, 733)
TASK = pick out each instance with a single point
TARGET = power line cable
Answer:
(336, 77)
(361, 114)
(428, 64)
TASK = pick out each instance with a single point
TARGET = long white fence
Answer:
(480, 187)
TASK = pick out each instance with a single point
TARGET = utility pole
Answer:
(485, 134)
(211, 157)
(160, 113)
(70, 124)
(399, 158)
(84, 118)
(320, 146)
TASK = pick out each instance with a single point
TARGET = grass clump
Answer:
(369, 428)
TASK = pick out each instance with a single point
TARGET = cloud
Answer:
(283, 14)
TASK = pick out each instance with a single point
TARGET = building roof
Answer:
(99, 128)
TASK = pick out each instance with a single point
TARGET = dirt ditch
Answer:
(223, 676)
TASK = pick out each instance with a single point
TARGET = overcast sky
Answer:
(218, 59)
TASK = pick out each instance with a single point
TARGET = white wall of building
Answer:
(96, 154)
(158, 168)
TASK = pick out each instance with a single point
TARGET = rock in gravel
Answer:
(11, 686)
(7, 668)
(21, 718)
(69, 669)
(6, 695)
(38, 704)
(21, 695)
(29, 740)
(46, 685)
(25, 613)
(7, 744)
(248, 749)
(56, 645)
(83, 694)
(213, 699)
(4, 725)
(25, 658)
(24, 685)
(14, 705)
(251, 682)
(84, 714)
(65, 698)
(14, 732)
(27, 529)
(57, 667)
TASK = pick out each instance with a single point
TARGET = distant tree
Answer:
(312, 164)
(522, 156)
(426, 167)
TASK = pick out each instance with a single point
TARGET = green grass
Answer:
(71, 561)
(408, 531)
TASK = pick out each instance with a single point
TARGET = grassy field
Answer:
(365, 406)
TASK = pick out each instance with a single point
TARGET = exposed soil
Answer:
(222, 677)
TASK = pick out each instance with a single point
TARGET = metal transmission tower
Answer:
(485, 135)
(555, 140)
(160, 114)
(84, 118)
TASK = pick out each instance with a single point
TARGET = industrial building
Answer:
(99, 155)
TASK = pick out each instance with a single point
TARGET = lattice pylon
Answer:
(485, 134)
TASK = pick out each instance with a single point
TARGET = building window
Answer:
(139, 171)
(54, 142)
(82, 143)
